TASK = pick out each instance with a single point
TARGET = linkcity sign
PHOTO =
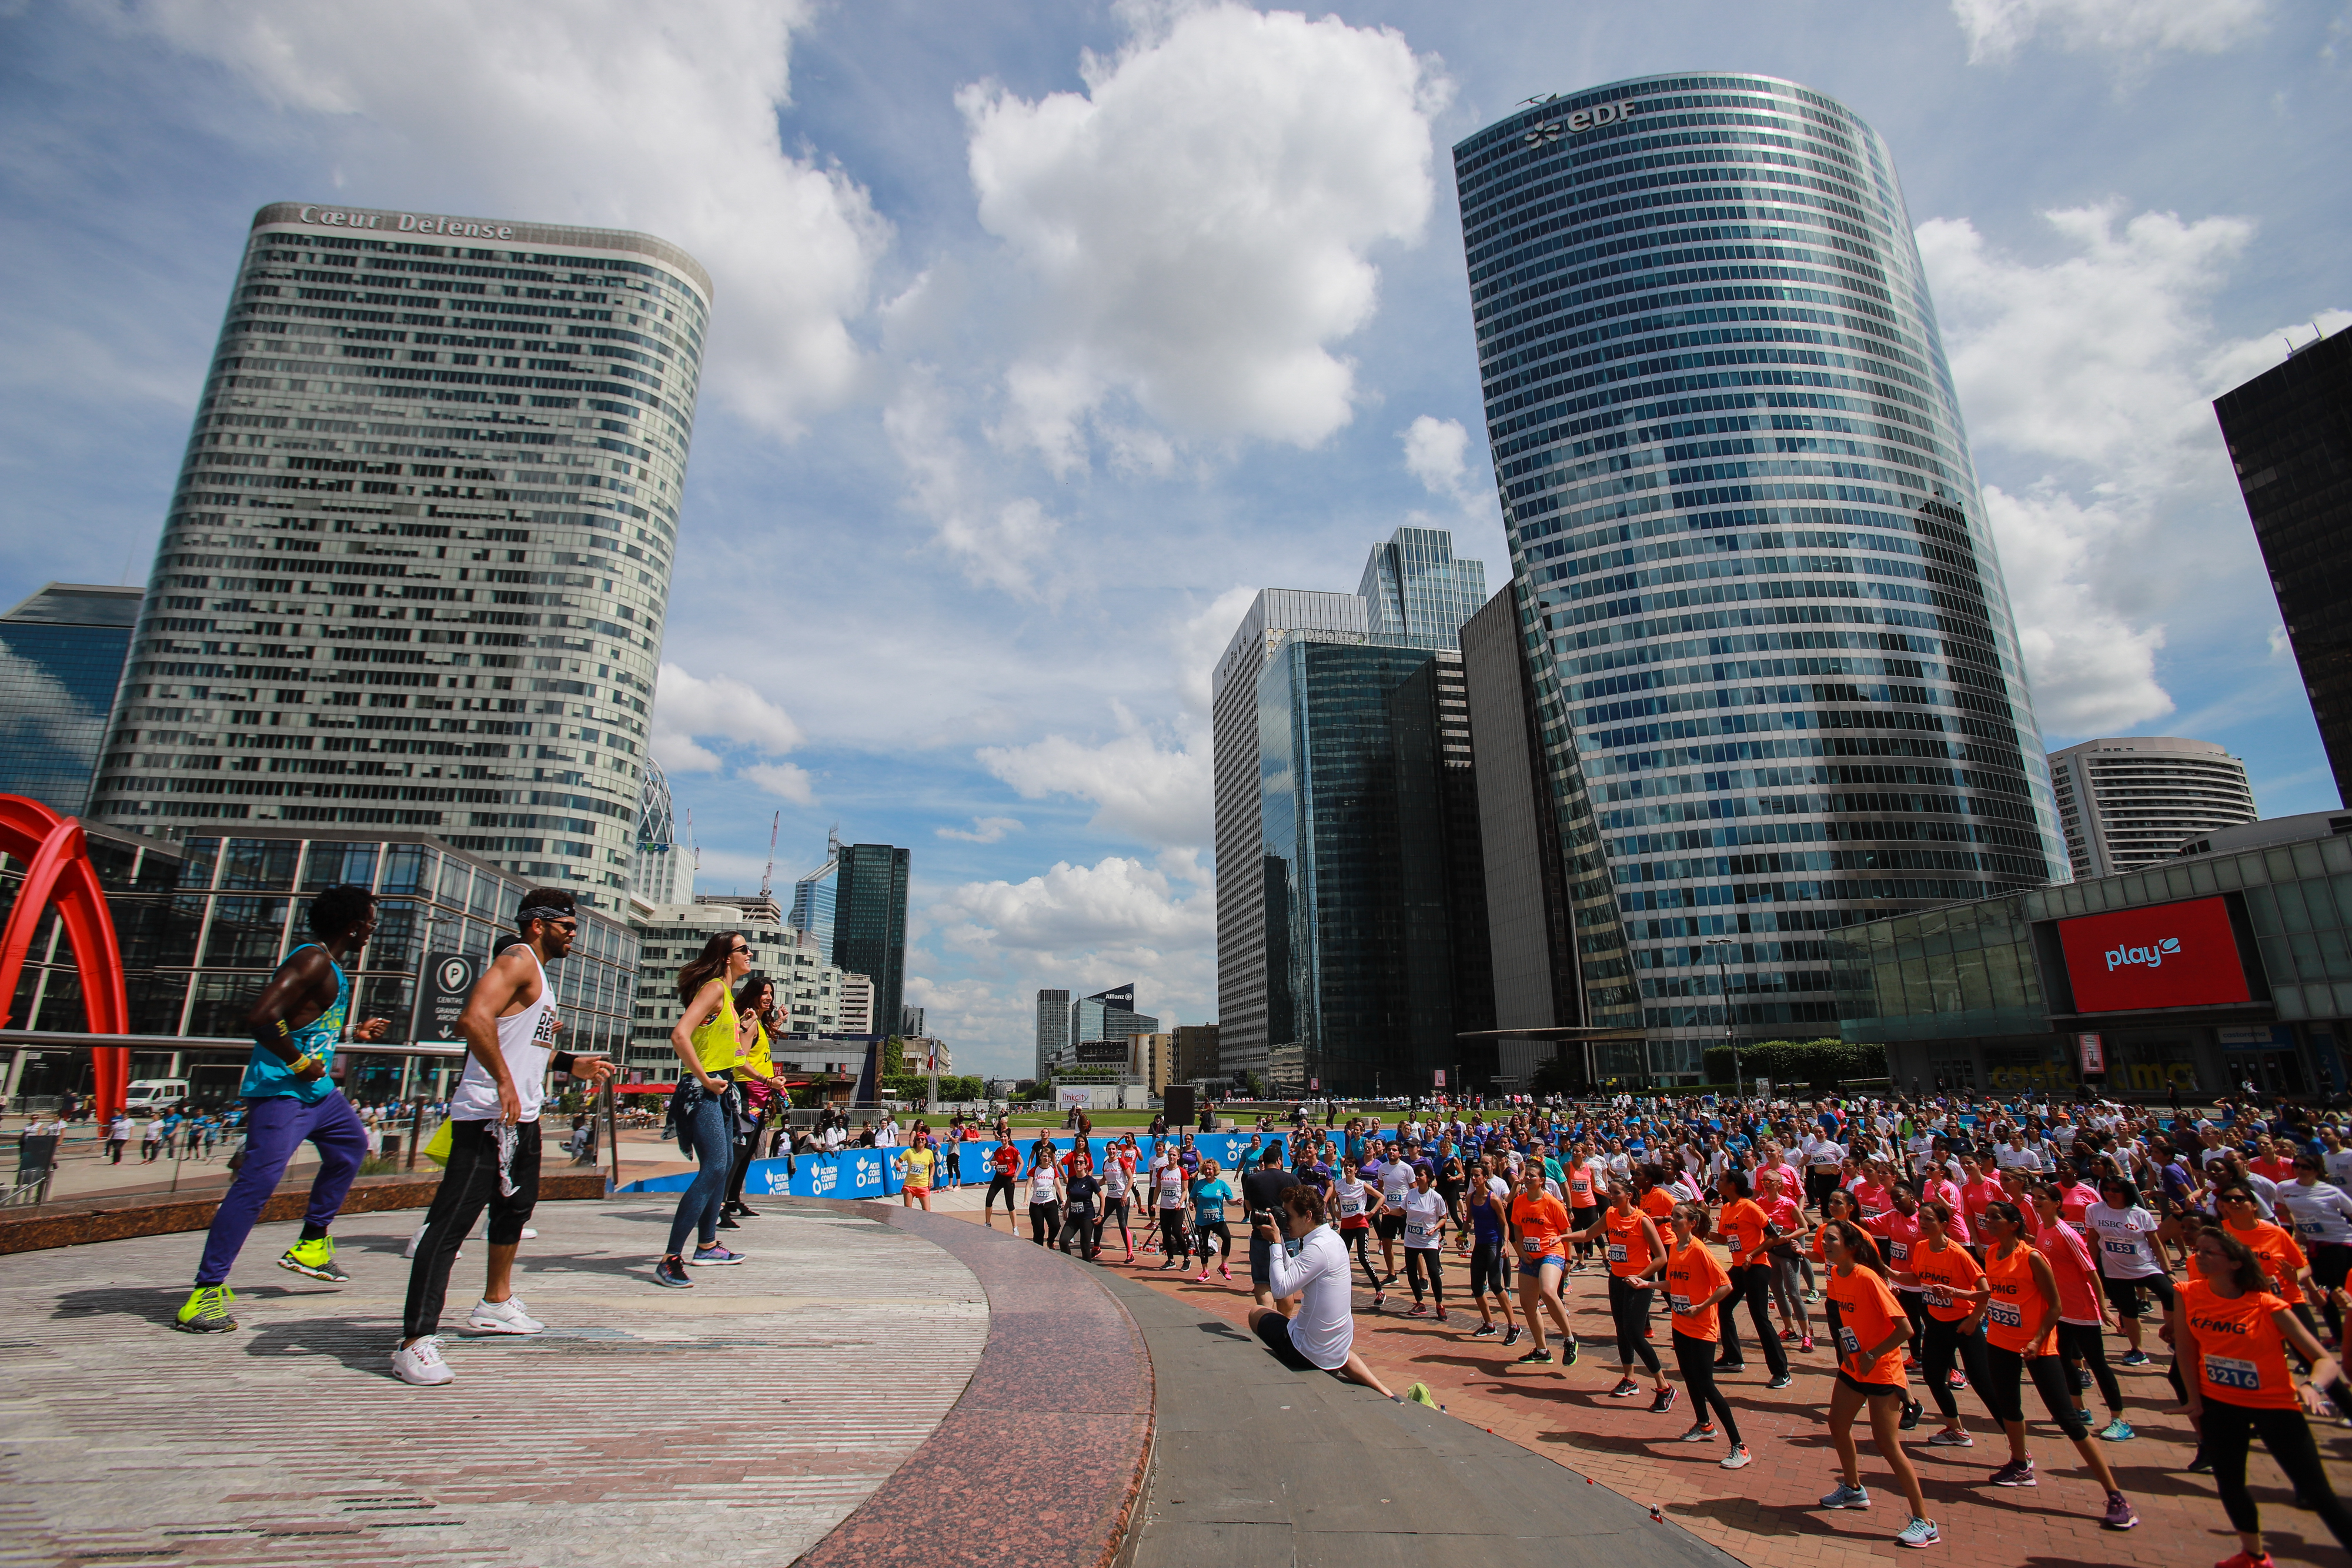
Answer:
(406, 223)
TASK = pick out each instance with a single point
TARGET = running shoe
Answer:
(1739, 1459)
(2248, 1560)
(671, 1272)
(1958, 1380)
(1201, 1278)
(1168, 1265)
(1807, 1344)
(1912, 1410)
(2117, 1431)
(1575, 1349)
(1950, 1437)
(1919, 1532)
(1731, 1367)
(1812, 1298)
(1663, 1400)
(1783, 1381)
(421, 1364)
(2119, 1514)
(1538, 1358)
(2016, 1473)
(316, 1258)
(743, 1213)
(1223, 1272)
(2133, 1358)
(1626, 1387)
(1488, 1332)
(715, 1254)
(1391, 1280)
(1844, 1496)
(2082, 1380)
(1788, 1336)
(1702, 1433)
(206, 1310)
(1510, 1336)
(1441, 1311)
(502, 1317)
(1419, 1309)
(2199, 1464)
(1419, 1393)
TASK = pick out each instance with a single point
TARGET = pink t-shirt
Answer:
(2078, 1276)
(1900, 1241)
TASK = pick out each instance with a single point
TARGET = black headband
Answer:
(542, 911)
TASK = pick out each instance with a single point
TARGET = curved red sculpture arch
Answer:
(57, 872)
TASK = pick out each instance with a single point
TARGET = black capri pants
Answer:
(2125, 1294)
(1171, 1232)
(1695, 1358)
(1629, 1308)
(1044, 1223)
(1417, 1259)
(2004, 1393)
(1752, 1284)
(997, 1183)
(2229, 1431)
(1939, 1347)
(2084, 1344)
(1490, 1269)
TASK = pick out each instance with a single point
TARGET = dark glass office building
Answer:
(869, 923)
(1374, 884)
(61, 656)
(1776, 674)
(2290, 434)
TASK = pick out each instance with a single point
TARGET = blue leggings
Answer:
(274, 1129)
(699, 1206)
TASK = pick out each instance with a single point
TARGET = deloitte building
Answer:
(417, 562)
(1775, 679)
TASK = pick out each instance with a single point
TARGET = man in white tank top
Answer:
(510, 1027)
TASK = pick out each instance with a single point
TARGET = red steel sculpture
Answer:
(58, 872)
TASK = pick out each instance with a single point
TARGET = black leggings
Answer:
(1171, 1232)
(1416, 1259)
(2228, 1433)
(1083, 1231)
(1116, 1208)
(1696, 1357)
(745, 1143)
(1044, 1223)
(1629, 1308)
(997, 1183)
(1752, 1284)
(1356, 1240)
(2004, 1393)
(1938, 1347)
(2081, 1344)
(2331, 1264)
(1201, 1234)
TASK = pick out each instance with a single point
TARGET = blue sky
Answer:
(1046, 331)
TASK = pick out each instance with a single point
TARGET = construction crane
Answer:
(768, 877)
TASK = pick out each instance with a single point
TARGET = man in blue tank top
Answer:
(290, 1100)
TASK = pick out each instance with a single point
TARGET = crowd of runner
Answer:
(1927, 1254)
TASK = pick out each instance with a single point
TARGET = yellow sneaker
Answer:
(206, 1310)
(316, 1258)
(1419, 1393)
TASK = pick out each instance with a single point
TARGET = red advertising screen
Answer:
(2166, 955)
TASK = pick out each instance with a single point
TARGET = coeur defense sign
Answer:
(2166, 955)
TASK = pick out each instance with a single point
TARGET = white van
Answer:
(152, 1094)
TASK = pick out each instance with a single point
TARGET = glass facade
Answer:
(1776, 671)
(869, 928)
(203, 923)
(1053, 1028)
(2290, 434)
(2130, 802)
(1961, 992)
(1416, 591)
(61, 656)
(1372, 879)
(808, 988)
(416, 567)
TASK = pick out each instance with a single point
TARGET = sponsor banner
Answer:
(2166, 955)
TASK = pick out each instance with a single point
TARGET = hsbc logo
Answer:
(2153, 956)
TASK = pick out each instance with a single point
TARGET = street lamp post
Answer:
(1723, 984)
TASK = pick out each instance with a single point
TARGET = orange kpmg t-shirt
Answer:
(1867, 1312)
(2241, 1359)
(1543, 1224)
(1945, 1276)
(1629, 1249)
(1741, 1226)
(2016, 1303)
(1692, 1276)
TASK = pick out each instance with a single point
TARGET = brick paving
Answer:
(743, 1419)
(1767, 1515)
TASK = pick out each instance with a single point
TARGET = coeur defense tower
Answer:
(416, 566)
(1777, 676)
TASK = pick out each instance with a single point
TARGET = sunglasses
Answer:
(2237, 1197)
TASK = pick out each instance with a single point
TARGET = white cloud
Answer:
(1120, 904)
(998, 540)
(1996, 28)
(603, 112)
(984, 830)
(1433, 451)
(2093, 671)
(782, 779)
(1200, 221)
(1200, 641)
(1155, 793)
(689, 710)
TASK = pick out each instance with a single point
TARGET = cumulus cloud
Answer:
(2093, 670)
(689, 710)
(1160, 794)
(1120, 904)
(1996, 29)
(1201, 219)
(984, 830)
(1199, 641)
(603, 112)
(782, 779)
(998, 539)
(1433, 451)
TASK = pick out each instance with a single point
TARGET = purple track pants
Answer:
(274, 1128)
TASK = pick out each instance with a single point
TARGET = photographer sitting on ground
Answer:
(1323, 1335)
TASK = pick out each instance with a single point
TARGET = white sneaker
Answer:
(1739, 1459)
(529, 1234)
(418, 1241)
(421, 1364)
(503, 1317)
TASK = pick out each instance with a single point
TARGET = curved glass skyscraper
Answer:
(1777, 679)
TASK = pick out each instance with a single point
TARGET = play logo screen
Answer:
(2169, 955)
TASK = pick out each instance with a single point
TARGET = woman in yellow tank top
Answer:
(703, 1110)
(755, 1079)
